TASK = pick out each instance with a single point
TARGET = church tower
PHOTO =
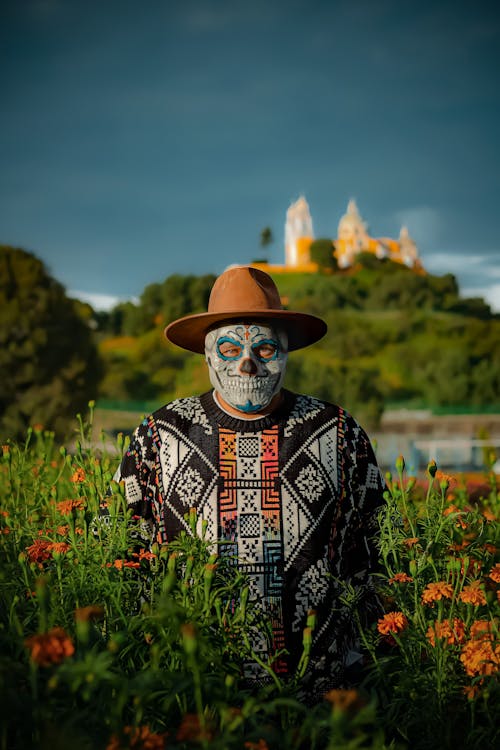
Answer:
(298, 233)
(352, 235)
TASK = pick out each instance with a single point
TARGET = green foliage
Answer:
(321, 252)
(101, 639)
(49, 366)
(266, 237)
(104, 644)
(394, 336)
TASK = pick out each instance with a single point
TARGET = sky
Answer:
(139, 140)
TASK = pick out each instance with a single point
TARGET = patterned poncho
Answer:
(294, 496)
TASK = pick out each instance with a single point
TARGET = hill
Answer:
(395, 337)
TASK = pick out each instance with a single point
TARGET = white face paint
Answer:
(246, 363)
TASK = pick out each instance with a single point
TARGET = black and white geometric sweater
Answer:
(294, 495)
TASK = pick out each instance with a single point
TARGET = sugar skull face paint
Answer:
(246, 363)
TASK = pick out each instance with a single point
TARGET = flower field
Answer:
(106, 645)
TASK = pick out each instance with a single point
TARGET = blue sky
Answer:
(143, 139)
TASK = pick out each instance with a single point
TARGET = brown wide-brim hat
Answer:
(245, 293)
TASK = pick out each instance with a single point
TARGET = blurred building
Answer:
(352, 239)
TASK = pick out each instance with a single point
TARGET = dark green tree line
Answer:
(49, 366)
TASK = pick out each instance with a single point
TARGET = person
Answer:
(290, 483)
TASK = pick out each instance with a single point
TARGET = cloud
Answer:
(491, 294)
(99, 301)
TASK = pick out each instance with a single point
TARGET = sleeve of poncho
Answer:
(137, 476)
(363, 488)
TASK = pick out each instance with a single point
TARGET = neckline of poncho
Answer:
(223, 419)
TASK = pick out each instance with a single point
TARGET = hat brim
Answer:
(302, 329)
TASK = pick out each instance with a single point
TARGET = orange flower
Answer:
(190, 730)
(260, 745)
(488, 514)
(59, 548)
(120, 564)
(344, 700)
(138, 738)
(495, 573)
(482, 630)
(490, 548)
(143, 554)
(471, 691)
(39, 551)
(91, 612)
(62, 530)
(410, 541)
(473, 594)
(77, 476)
(392, 622)
(400, 578)
(445, 480)
(480, 658)
(50, 648)
(433, 592)
(444, 630)
(66, 507)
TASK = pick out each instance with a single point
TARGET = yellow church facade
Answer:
(352, 238)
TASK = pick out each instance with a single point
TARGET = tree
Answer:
(321, 252)
(49, 366)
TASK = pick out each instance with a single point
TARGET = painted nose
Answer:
(248, 367)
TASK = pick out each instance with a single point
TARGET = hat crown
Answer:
(244, 288)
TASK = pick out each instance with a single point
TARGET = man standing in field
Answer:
(290, 483)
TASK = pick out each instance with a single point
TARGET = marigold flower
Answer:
(90, 612)
(480, 658)
(120, 564)
(78, 476)
(488, 514)
(443, 630)
(143, 554)
(190, 730)
(138, 738)
(344, 700)
(66, 507)
(410, 541)
(445, 480)
(473, 594)
(400, 578)
(481, 630)
(490, 548)
(50, 648)
(260, 745)
(495, 573)
(433, 592)
(62, 530)
(392, 622)
(471, 691)
(39, 551)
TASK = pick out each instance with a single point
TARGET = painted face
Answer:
(246, 363)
